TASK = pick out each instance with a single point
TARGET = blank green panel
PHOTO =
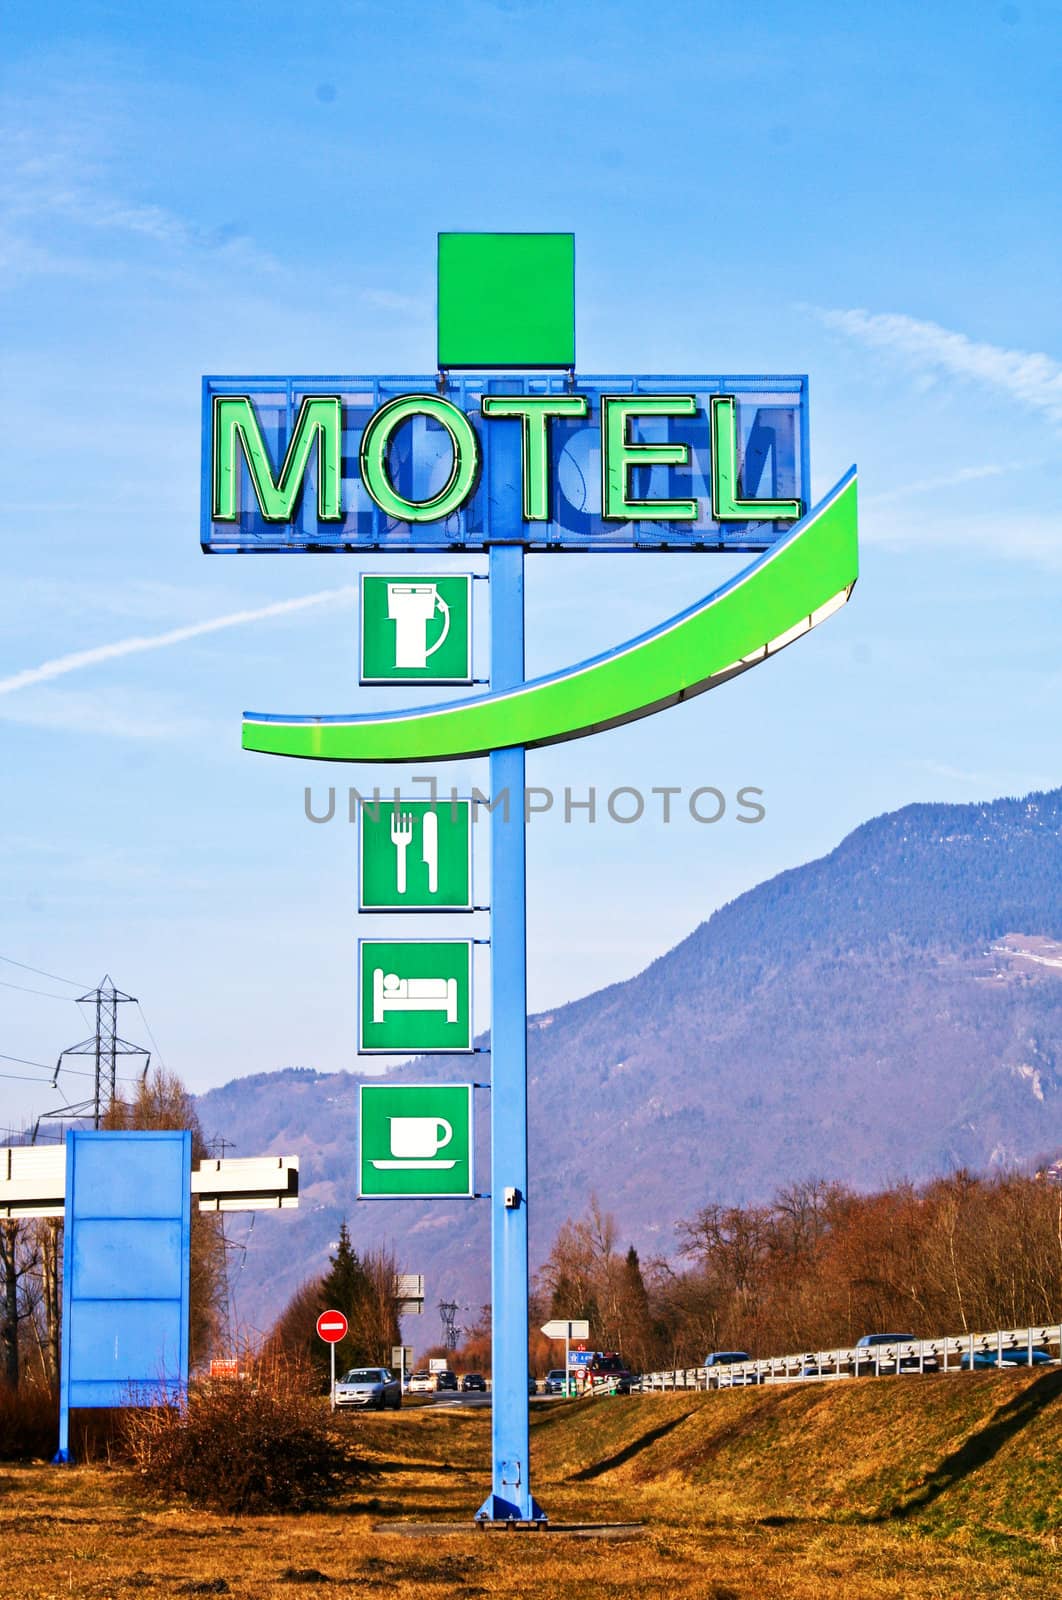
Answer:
(506, 299)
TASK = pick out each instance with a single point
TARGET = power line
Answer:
(25, 989)
(75, 1071)
(22, 1061)
(151, 1036)
(41, 972)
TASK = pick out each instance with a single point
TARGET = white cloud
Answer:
(56, 180)
(80, 659)
(948, 480)
(978, 780)
(1030, 377)
(122, 714)
(388, 300)
(1007, 535)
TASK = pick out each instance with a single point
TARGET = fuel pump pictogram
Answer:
(413, 607)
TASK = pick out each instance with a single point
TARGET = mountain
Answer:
(893, 1009)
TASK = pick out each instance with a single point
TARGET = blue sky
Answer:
(864, 194)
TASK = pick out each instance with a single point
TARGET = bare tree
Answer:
(19, 1267)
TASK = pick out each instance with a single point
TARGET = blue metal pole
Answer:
(510, 1499)
(62, 1455)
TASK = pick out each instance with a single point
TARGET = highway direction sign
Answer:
(558, 1329)
(416, 1139)
(416, 855)
(416, 994)
(331, 1326)
(416, 629)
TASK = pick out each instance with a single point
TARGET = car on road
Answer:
(812, 1369)
(422, 1383)
(368, 1389)
(446, 1380)
(718, 1378)
(473, 1383)
(871, 1364)
(608, 1367)
(532, 1384)
(556, 1382)
(1008, 1358)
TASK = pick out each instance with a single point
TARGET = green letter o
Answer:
(376, 441)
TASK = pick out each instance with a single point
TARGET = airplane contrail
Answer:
(159, 641)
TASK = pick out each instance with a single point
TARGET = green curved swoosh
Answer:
(798, 583)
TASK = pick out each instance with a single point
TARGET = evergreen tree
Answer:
(637, 1330)
(345, 1287)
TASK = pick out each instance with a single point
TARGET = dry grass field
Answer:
(933, 1489)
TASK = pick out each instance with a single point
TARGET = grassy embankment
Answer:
(922, 1488)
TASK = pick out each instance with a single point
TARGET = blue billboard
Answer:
(126, 1259)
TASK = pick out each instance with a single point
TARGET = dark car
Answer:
(532, 1384)
(473, 1383)
(445, 1380)
(720, 1378)
(368, 1388)
(1008, 1358)
(556, 1382)
(873, 1364)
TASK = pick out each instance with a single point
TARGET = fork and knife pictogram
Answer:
(402, 827)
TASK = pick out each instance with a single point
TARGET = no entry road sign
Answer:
(331, 1326)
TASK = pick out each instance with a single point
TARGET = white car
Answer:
(422, 1383)
(369, 1388)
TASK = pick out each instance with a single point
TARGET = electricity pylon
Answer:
(105, 1046)
(448, 1310)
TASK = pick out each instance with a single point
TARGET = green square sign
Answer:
(416, 629)
(416, 1139)
(506, 300)
(416, 855)
(416, 994)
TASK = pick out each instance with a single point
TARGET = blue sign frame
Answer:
(126, 1267)
(772, 456)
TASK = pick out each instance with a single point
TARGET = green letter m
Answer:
(320, 422)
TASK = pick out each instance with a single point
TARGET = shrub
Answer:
(29, 1421)
(257, 1444)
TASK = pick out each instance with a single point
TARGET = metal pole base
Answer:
(498, 1513)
